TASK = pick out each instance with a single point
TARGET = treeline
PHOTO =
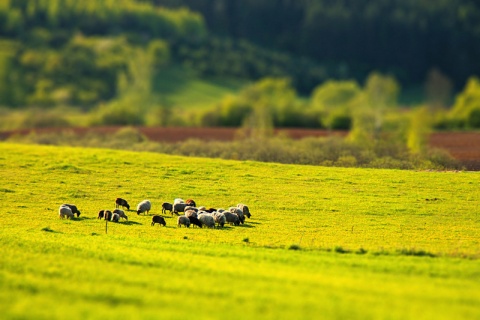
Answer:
(83, 54)
(227, 57)
(79, 53)
(406, 38)
(90, 17)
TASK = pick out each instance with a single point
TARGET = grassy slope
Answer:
(181, 88)
(50, 268)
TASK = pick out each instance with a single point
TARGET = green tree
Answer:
(334, 99)
(381, 96)
(467, 104)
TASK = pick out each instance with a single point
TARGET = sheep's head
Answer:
(139, 211)
(163, 223)
(127, 206)
(195, 221)
(78, 213)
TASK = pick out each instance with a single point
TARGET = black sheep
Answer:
(179, 207)
(121, 202)
(101, 213)
(195, 221)
(158, 219)
(108, 215)
(167, 206)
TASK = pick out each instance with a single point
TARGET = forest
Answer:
(314, 64)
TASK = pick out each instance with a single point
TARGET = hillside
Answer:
(367, 243)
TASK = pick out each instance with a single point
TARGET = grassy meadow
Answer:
(322, 242)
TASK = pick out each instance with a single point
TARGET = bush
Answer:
(341, 122)
(118, 113)
(474, 119)
(310, 151)
(38, 118)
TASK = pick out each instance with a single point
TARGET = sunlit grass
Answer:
(340, 243)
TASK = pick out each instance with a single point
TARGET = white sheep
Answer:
(65, 212)
(115, 217)
(178, 200)
(191, 213)
(238, 212)
(183, 220)
(144, 206)
(219, 218)
(207, 220)
(73, 208)
(245, 209)
(121, 214)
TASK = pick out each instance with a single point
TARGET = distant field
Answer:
(321, 243)
(180, 88)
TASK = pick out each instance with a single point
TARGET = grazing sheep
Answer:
(232, 218)
(167, 206)
(108, 215)
(115, 217)
(121, 214)
(183, 220)
(195, 221)
(219, 218)
(238, 212)
(65, 212)
(202, 208)
(190, 208)
(244, 209)
(178, 200)
(190, 213)
(190, 202)
(144, 206)
(101, 213)
(73, 208)
(207, 220)
(179, 207)
(158, 219)
(119, 202)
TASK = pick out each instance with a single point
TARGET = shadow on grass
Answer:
(246, 226)
(83, 218)
(47, 229)
(130, 223)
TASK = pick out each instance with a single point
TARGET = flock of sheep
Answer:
(192, 215)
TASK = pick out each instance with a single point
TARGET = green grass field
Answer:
(322, 242)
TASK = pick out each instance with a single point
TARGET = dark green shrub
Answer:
(474, 119)
(341, 122)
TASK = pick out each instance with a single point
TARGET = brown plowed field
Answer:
(464, 146)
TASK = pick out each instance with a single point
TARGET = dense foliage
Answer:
(112, 59)
(405, 37)
(77, 53)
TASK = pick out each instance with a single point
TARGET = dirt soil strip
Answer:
(463, 146)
